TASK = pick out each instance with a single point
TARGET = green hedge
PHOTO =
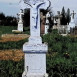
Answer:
(12, 44)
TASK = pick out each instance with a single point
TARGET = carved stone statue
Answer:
(35, 6)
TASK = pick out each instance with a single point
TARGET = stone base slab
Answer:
(16, 31)
(34, 75)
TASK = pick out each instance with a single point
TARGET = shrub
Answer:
(59, 66)
(12, 44)
(0, 34)
(58, 43)
(11, 68)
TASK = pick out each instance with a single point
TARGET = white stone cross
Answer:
(34, 6)
(47, 16)
(73, 14)
(35, 50)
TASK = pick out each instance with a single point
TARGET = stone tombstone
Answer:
(35, 51)
(20, 22)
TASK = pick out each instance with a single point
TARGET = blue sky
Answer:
(11, 7)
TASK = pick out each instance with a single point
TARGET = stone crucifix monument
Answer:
(35, 51)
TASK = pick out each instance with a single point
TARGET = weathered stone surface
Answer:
(35, 51)
(35, 48)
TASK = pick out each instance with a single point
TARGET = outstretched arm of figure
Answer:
(23, 3)
(27, 4)
(49, 4)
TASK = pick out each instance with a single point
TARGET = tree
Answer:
(7, 20)
(68, 15)
(63, 19)
(26, 18)
(2, 16)
(63, 11)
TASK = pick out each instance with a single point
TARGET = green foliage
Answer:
(68, 15)
(11, 68)
(7, 20)
(0, 34)
(63, 19)
(12, 44)
(65, 16)
(7, 29)
(62, 55)
(58, 43)
(59, 66)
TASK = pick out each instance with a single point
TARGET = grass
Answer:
(7, 29)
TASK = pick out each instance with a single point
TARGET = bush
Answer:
(0, 34)
(58, 43)
(58, 66)
(62, 55)
(11, 68)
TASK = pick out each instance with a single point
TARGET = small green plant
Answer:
(0, 34)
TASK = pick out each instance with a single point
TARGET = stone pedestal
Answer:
(20, 26)
(35, 60)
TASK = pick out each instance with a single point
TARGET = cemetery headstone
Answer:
(35, 51)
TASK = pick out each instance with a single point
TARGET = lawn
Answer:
(7, 29)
